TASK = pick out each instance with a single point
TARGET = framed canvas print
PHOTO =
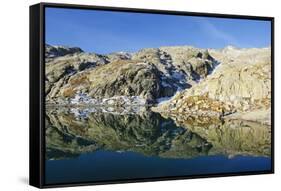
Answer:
(126, 95)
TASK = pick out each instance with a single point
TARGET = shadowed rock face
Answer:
(69, 135)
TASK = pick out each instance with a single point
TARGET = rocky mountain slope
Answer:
(149, 74)
(52, 52)
(241, 84)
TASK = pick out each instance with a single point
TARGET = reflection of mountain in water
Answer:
(69, 135)
(231, 136)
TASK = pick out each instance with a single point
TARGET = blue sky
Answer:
(106, 32)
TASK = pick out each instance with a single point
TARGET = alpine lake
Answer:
(110, 144)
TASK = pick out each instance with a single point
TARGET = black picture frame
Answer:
(37, 99)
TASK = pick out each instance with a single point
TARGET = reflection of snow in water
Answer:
(84, 112)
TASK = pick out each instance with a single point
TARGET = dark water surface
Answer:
(89, 145)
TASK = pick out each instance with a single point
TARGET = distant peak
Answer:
(58, 50)
(63, 47)
(230, 47)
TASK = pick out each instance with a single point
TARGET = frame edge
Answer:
(34, 97)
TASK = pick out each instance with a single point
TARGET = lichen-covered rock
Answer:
(197, 106)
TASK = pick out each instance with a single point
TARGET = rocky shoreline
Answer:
(227, 83)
